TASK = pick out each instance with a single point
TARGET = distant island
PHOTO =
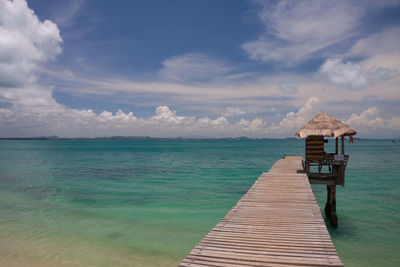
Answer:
(191, 137)
(130, 138)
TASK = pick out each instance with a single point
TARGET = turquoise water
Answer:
(148, 203)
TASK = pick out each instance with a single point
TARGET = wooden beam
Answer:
(322, 181)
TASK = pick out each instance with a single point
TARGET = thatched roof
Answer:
(325, 125)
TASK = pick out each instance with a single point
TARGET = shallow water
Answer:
(148, 203)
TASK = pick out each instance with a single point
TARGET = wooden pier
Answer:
(276, 223)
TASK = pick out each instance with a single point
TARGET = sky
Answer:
(189, 68)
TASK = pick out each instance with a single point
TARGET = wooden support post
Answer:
(337, 145)
(328, 201)
(333, 218)
(342, 145)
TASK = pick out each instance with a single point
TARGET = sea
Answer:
(149, 202)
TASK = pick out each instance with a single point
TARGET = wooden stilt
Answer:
(333, 218)
(342, 144)
(328, 201)
(336, 146)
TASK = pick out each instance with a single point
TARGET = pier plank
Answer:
(276, 223)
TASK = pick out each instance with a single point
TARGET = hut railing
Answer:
(336, 164)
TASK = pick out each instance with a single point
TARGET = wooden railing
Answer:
(336, 164)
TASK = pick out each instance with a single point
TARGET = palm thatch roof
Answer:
(325, 125)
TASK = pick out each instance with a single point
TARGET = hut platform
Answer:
(276, 223)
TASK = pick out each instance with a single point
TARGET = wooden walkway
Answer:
(276, 223)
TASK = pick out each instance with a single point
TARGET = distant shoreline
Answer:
(135, 138)
(143, 138)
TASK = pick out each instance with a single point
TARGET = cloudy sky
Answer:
(197, 68)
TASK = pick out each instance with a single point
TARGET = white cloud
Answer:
(384, 42)
(367, 118)
(119, 117)
(25, 42)
(297, 30)
(193, 67)
(165, 115)
(256, 124)
(381, 53)
(263, 94)
(367, 123)
(289, 87)
(63, 121)
(233, 111)
(68, 122)
(65, 14)
(377, 74)
(292, 122)
(343, 73)
(394, 123)
(72, 122)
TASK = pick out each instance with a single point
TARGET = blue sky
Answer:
(197, 68)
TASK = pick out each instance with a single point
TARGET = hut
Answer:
(315, 132)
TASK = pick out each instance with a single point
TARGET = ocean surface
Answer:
(148, 203)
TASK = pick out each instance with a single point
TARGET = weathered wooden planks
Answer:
(276, 223)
